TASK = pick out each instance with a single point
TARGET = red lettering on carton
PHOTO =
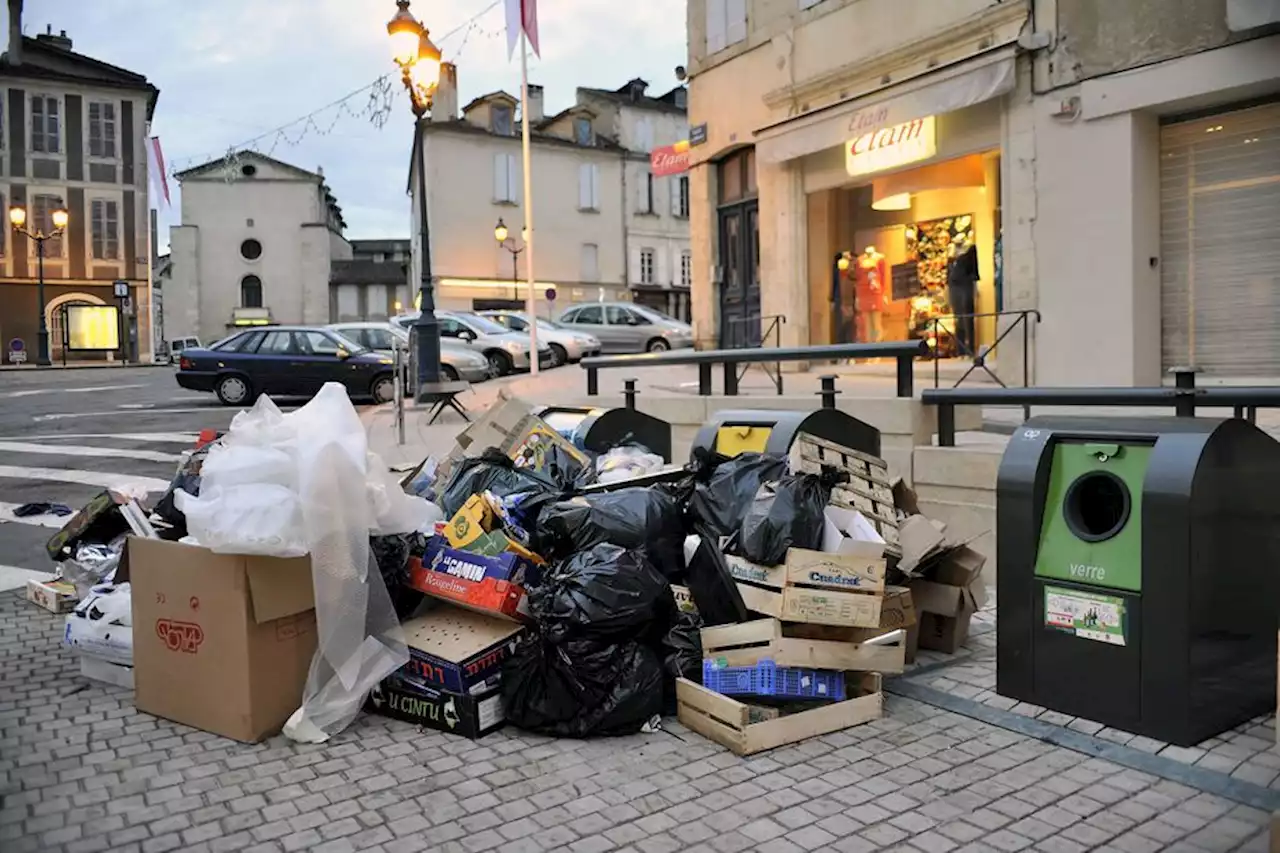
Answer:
(180, 636)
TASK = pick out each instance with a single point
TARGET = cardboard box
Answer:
(457, 650)
(106, 672)
(56, 596)
(731, 723)
(222, 642)
(471, 522)
(100, 519)
(488, 595)
(946, 605)
(460, 714)
(505, 566)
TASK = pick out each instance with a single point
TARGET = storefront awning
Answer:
(942, 91)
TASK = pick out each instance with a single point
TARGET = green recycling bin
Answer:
(1138, 572)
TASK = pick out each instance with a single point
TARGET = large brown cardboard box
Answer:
(222, 642)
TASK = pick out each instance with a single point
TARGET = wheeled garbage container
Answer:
(1139, 572)
(735, 431)
(599, 430)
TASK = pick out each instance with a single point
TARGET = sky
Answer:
(232, 70)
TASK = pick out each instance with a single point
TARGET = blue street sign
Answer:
(17, 345)
(551, 294)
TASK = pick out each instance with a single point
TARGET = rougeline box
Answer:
(472, 716)
(494, 597)
(507, 566)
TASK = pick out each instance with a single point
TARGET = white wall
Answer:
(463, 213)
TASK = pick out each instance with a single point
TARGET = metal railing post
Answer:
(730, 379)
(946, 425)
(828, 392)
(1184, 380)
(593, 382)
(398, 366)
(704, 379)
(629, 394)
(906, 376)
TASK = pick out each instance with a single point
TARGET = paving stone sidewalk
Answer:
(81, 770)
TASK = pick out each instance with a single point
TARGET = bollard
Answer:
(629, 394)
(398, 366)
(1184, 381)
(828, 392)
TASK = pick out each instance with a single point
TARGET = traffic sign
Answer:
(17, 351)
(551, 294)
(17, 345)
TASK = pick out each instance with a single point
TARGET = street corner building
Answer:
(73, 137)
(1105, 174)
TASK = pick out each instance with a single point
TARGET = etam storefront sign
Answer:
(891, 147)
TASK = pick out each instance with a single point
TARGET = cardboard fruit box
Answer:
(735, 725)
(457, 650)
(454, 713)
(492, 585)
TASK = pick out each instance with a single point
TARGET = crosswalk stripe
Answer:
(118, 412)
(12, 577)
(31, 392)
(85, 450)
(102, 479)
(46, 520)
(156, 437)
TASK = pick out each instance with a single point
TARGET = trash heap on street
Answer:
(287, 580)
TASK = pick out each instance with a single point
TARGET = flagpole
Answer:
(531, 306)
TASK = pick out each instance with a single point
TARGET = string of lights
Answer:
(372, 102)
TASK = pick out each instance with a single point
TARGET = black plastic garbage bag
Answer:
(392, 553)
(581, 687)
(713, 587)
(786, 513)
(722, 496)
(188, 480)
(559, 466)
(495, 472)
(606, 592)
(681, 656)
(629, 518)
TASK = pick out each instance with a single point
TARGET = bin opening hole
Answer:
(1097, 506)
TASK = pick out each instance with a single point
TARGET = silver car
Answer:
(625, 327)
(567, 346)
(507, 351)
(456, 361)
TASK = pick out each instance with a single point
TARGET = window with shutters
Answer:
(648, 262)
(589, 187)
(726, 24)
(501, 120)
(506, 178)
(644, 135)
(46, 125)
(582, 132)
(102, 130)
(104, 218)
(251, 292)
(680, 197)
(590, 262)
(644, 193)
(686, 269)
(42, 208)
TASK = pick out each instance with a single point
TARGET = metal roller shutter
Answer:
(1220, 243)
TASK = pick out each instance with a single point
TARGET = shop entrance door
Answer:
(740, 287)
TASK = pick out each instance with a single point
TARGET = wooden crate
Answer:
(729, 722)
(869, 490)
(787, 592)
(763, 639)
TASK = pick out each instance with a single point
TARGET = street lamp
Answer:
(500, 234)
(18, 219)
(419, 62)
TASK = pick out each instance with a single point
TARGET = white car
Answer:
(567, 346)
(456, 361)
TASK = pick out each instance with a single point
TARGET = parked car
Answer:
(624, 327)
(567, 346)
(456, 361)
(507, 351)
(177, 345)
(286, 361)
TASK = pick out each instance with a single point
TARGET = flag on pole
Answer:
(159, 174)
(522, 15)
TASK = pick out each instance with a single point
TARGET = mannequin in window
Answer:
(872, 276)
(844, 297)
(962, 285)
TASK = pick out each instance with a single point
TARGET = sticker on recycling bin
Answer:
(1088, 615)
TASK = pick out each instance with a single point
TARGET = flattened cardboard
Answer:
(203, 655)
(921, 540)
(457, 650)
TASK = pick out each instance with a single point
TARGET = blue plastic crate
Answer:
(768, 679)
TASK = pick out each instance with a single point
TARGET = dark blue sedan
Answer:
(285, 361)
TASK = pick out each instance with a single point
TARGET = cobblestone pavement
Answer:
(81, 770)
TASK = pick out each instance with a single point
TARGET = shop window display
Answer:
(933, 247)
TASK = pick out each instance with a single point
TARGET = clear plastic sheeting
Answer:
(317, 460)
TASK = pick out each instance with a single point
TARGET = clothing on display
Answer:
(872, 278)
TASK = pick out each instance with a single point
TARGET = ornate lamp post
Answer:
(419, 63)
(500, 234)
(18, 218)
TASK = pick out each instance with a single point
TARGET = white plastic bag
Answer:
(102, 624)
(623, 463)
(263, 518)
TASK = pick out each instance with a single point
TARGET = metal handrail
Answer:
(905, 352)
(773, 330)
(980, 359)
(1184, 398)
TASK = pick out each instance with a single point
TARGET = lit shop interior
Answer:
(901, 251)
